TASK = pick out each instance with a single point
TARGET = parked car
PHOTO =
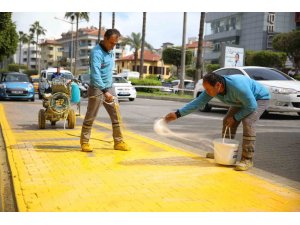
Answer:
(84, 83)
(123, 88)
(35, 81)
(129, 74)
(15, 85)
(45, 79)
(285, 91)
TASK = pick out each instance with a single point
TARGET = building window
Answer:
(50, 48)
(122, 64)
(118, 46)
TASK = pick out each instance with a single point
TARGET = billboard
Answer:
(233, 56)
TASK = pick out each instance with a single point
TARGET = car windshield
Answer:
(266, 74)
(13, 77)
(119, 80)
(65, 75)
(85, 78)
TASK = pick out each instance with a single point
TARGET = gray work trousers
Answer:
(249, 127)
(95, 100)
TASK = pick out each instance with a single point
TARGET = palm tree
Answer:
(38, 30)
(29, 39)
(113, 21)
(143, 46)
(78, 16)
(135, 41)
(199, 64)
(99, 31)
(22, 39)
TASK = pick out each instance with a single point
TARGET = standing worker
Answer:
(248, 100)
(99, 92)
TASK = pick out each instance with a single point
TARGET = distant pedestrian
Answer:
(99, 91)
(248, 100)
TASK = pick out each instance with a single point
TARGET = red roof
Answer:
(50, 42)
(195, 44)
(148, 56)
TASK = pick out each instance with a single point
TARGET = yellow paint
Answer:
(52, 174)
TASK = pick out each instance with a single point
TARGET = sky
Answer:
(160, 27)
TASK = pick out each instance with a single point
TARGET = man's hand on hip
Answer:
(108, 97)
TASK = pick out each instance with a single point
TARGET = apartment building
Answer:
(51, 54)
(250, 30)
(87, 39)
(27, 56)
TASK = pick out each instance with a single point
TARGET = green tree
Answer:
(8, 36)
(78, 16)
(173, 56)
(135, 42)
(266, 58)
(22, 39)
(37, 29)
(29, 39)
(290, 44)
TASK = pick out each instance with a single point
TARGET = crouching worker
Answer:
(99, 92)
(247, 99)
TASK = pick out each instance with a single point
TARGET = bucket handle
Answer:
(225, 133)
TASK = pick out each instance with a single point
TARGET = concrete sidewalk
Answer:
(51, 174)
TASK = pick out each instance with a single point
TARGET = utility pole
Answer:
(182, 75)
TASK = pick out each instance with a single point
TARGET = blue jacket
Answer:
(56, 75)
(241, 91)
(101, 65)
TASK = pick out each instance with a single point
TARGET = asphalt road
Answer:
(278, 136)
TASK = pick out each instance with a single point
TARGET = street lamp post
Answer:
(71, 59)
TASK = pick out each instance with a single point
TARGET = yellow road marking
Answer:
(52, 174)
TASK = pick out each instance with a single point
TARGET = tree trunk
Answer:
(182, 74)
(36, 46)
(76, 46)
(113, 21)
(99, 31)
(143, 46)
(199, 64)
(28, 55)
(20, 55)
(136, 54)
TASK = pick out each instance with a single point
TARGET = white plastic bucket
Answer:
(225, 150)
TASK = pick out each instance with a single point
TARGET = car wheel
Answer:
(131, 99)
(299, 113)
(53, 123)
(32, 99)
(71, 119)
(42, 119)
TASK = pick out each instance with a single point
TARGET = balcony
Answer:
(222, 35)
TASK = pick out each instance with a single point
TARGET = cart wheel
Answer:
(71, 119)
(42, 119)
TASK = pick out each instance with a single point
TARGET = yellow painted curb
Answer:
(10, 141)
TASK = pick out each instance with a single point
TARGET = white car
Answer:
(129, 74)
(174, 86)
(123, 88)
(285, 91)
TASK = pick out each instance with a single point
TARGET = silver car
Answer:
(285, 91)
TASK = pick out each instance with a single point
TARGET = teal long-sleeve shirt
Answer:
(241, 91)
(101, 65)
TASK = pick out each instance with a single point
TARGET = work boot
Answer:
(85, 147)
(244, 165)
(210, 155)
(121, 146)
